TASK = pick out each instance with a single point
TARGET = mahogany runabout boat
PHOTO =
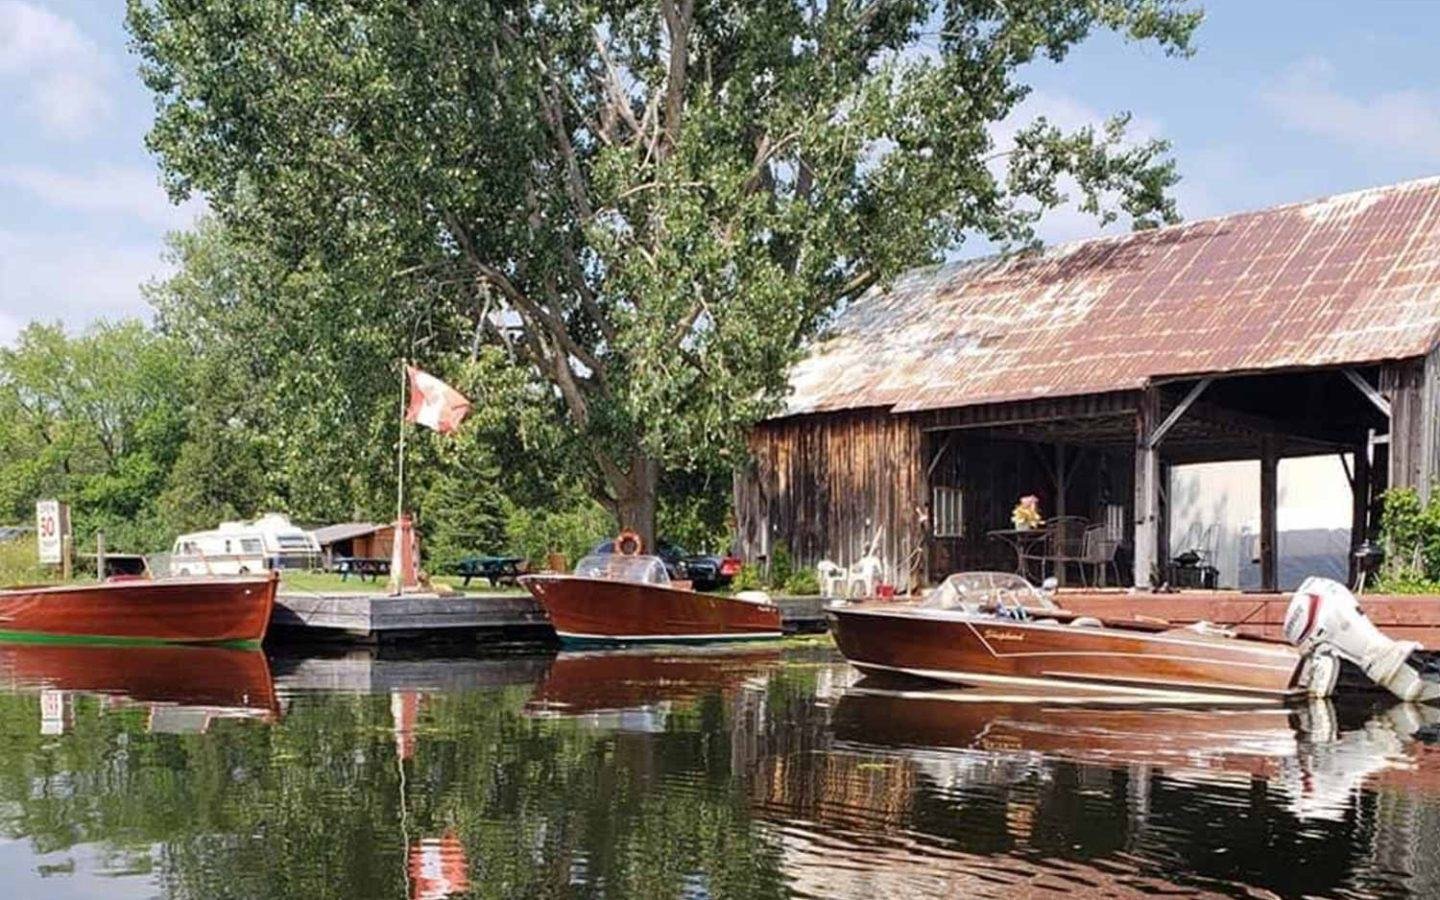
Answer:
(234, 611)
(619, 599)
(991, 628)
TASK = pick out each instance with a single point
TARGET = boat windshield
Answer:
(973, 591)
(613, 566)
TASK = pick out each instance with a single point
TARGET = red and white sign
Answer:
(50, 530)
(433, 403)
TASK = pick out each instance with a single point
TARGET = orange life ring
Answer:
(628, 543)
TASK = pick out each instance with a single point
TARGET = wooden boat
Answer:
(234, 611)
(991, 628)
(619, 599)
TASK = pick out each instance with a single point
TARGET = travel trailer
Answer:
(238, 548)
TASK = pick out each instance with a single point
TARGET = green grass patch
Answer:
(331, 583)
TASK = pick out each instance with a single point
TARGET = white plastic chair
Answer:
(832, 578)
(865, 574)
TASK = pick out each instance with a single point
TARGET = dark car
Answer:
(706, 571)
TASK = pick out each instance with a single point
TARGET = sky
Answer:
(1283, 101)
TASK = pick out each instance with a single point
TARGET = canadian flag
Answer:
(433, 403)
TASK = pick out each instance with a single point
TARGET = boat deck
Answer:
(377, 616)
(1414, 618)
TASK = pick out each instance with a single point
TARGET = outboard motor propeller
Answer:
(1324, 618)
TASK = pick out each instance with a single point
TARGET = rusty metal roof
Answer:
(1349, 279)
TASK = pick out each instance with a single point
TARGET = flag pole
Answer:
(399, 577)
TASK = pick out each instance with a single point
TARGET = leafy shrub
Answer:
(802, 583)
(782, 565)
(749, 578)
(1410, 534)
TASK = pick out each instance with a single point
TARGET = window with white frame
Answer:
(947, 512)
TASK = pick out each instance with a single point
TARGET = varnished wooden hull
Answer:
(597, 610)
(211, 610)
(977, 650)
(215, 677)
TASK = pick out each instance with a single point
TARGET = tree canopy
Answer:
(645, 207)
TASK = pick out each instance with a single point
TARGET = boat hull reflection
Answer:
(616, 680)
(215, 678)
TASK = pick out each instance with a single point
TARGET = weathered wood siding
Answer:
(824, 484)
(1413, 387)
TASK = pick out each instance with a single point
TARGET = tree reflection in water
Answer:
(739, 773)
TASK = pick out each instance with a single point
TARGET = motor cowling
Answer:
(1324, 617)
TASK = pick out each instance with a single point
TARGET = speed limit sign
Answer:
(50, 529)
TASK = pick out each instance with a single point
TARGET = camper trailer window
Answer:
(251, 545)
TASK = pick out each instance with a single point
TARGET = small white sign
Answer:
(50, 529)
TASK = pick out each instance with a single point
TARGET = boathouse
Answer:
(1083, 373)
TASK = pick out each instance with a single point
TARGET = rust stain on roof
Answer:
(1346, 280)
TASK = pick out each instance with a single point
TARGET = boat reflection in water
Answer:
(184, 687)
(954, 792)
(635, 690)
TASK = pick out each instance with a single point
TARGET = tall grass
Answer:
(19, 563)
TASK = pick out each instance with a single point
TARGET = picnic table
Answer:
(363, 567)
(497, 570)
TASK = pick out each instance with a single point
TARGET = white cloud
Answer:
(129, 191)
(56, 70)
(70, 278)
(1403, 124)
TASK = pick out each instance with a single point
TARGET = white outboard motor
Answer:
(1324, 619)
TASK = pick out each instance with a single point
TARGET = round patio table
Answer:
(1021, 540)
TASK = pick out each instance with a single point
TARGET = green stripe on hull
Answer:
(105, 640)
(570, 640)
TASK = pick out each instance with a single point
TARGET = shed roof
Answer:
(1346, 280)
(344, 531)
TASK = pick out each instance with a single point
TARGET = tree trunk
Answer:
(634, 499)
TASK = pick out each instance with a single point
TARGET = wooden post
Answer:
(1147, 488)
(1269, 499)
(1162, 523)
(100, 555)
(1360, 504)
(1059, 476)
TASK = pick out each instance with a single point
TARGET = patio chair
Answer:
(832, 578)
(1064, 542)
(1100, 550)
(865, 575)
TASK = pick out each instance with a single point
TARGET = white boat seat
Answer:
(753, 597)
(1086, 622)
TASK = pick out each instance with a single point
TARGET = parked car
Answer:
(706, 571)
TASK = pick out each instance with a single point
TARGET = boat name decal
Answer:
(1004, 636)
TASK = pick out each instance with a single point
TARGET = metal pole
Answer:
(396, 552)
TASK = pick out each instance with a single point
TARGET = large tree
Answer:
(648, 205)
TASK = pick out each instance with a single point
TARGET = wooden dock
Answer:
(504, 617)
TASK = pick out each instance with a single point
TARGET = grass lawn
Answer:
(330, 583)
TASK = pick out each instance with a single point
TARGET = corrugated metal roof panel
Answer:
(1349, 279)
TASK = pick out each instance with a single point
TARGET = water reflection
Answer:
(741, 772)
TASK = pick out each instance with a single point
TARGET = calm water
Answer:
(744, 773)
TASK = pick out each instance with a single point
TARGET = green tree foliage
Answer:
(1410, 534)
(646, 205)
(96, 420)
